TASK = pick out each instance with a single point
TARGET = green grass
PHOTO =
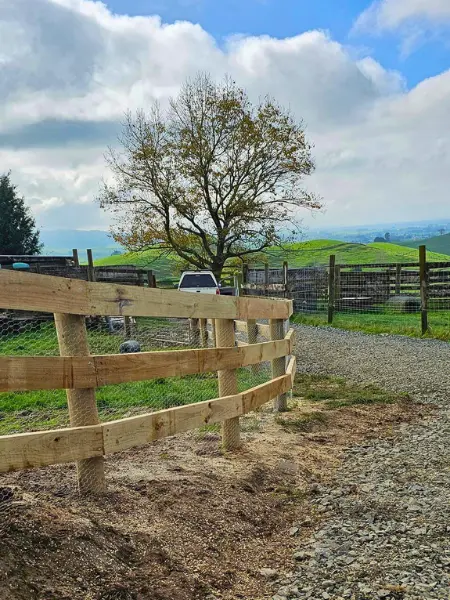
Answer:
(41, 340)
(334, 392)
(317, 253)
(378, 323)
(164, 267)
(24, 411)
(301, 254)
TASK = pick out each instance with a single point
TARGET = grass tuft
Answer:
(304, 422)
(335, 392)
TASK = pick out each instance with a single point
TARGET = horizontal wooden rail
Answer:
(43, 448)
(28, 291)
(376, 265)
(25, 373)
(431, 265)
(264, 286)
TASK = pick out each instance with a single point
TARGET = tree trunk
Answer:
(217, 271)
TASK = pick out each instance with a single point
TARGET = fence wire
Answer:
(438, 293)
(377, 298)
(35, 334)
(25, 334)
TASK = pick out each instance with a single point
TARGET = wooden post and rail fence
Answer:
(86, 441)
(343, 286)
(70, 267)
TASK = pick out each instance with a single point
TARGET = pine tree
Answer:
(18, 233)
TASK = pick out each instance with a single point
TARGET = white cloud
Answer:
(391, 14)
(60, 184)
(380, 148)
(416, 21)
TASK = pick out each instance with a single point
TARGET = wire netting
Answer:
(377, 298)
(438, 293)
(26, 334)
(35, 334)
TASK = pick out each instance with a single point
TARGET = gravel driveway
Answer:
(420, 367)
(387, 527)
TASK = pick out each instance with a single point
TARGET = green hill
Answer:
(302, 254)
(439, 243)
(317, 252)
(164, 267)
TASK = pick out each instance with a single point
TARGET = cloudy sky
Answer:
(370, 79)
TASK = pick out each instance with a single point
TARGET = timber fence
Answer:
(117, 401)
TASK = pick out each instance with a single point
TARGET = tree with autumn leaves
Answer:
(213, 178)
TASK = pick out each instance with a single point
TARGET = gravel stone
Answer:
(399, 363)
(269, 573)
(386, 529)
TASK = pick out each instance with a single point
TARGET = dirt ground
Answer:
(181, 520)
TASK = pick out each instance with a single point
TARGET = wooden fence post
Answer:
(90, 269)
(285, 278)
(194, 330)
(237, 281)
(150, 279)
(127, 327)
(73, 341)
(231, 436)
(76, 260)
(212, 337)
(278, 364)
(203, 333)
(266, 279)
(245, 273)
(331, 290)
(398, 279)
(423, 274)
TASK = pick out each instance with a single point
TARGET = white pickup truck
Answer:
(200, 282)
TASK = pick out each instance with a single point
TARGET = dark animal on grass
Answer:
(129, 346)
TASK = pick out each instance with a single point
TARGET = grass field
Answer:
(26, 411)
(392, 323)
(41, 340)
(302, 254)
(317, 252)
(42, 409)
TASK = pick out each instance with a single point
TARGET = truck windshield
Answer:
(197, 280)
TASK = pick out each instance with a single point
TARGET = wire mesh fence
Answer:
(84, 395)
(38, 334)
(408, 298)
(26, 334)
